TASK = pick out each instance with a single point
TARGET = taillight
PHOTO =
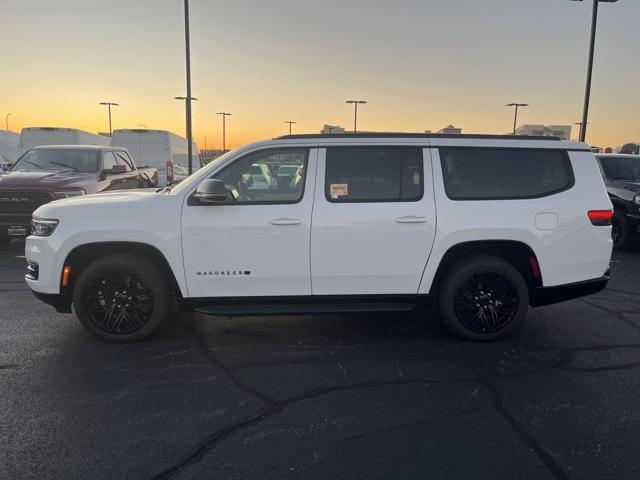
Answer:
(600, 218)
(169, 172)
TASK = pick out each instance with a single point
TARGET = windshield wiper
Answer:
(166, 189)
(31, 163)
(70, 167)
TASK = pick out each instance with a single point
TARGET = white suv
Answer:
(480, 226)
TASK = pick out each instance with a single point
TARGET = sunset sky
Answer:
(421, 64)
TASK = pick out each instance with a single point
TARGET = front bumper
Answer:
(549, 295)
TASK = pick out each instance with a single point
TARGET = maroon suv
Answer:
(48, 173)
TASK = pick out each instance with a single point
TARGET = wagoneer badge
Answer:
(225, 273)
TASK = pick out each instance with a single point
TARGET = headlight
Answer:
(70, 193)
(42, 227)
(636, 199)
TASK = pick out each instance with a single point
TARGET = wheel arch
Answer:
(517, 253)
(83, 255)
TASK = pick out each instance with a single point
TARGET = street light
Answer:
(224, 129)
(515, 115)
(355, 113)
(592, 43)
(290, 123)
(109, 105)
(6, 121)
(188, 98)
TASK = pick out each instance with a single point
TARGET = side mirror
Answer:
(211, 191)
(115, 170)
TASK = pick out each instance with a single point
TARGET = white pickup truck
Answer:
(482, 227)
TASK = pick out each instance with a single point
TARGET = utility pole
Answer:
(109, 105)
(355, 103)
(515, 115)
(188, 98)
(290, 123)
(592, 44)
(224, 129)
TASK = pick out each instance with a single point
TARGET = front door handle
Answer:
(411, 219)
(286, 221)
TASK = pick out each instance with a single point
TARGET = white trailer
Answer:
(36, 136)
(160, 149)
(8, 148)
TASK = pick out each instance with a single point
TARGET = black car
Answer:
(622, 177)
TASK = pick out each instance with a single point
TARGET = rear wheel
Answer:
(121, 298)
(621, 232)
(483, 298)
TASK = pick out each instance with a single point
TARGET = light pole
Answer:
(355, 113)
(224, 129)
(109, 105)
(188, 98)
(592, 44)
(515, 114)
(6, 121)
(290, 123)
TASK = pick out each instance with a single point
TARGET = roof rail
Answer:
(413, 135)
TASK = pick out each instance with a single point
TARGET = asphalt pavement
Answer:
(333, 397)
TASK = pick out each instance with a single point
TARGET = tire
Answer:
(483, 298)
(621, 232)
(122, 298)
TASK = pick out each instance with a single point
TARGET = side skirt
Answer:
(247, 306)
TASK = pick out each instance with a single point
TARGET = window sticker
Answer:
(339, 190)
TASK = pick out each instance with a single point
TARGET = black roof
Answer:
(413, 135)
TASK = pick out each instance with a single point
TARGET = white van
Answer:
(480, 226)
(37, 136)
(8, 148)
(161, 149)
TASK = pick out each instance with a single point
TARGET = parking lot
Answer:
(343, 396)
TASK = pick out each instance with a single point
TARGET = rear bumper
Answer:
(61, 302)
(548, 295)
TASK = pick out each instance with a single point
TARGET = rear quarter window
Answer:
(504, 173)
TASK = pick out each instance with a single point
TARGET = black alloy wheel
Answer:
(486, 302)
(122, 297)
(482, 298)
(118, 302)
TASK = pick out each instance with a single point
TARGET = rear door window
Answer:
(504, 173)
(374, 174)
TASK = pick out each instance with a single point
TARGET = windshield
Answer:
(85, 161)
(621, 168)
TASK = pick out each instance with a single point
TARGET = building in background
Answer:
(561, 131)
(450, 130)
(328, 129)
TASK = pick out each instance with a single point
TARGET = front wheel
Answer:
(483, 298)
(121, 298)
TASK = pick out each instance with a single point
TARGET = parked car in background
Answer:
(160, 149)
(37, 136)
(44, 174)
(480, 226)
(622, 177)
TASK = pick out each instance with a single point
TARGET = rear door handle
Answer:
(411, 219)
(286, 221)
